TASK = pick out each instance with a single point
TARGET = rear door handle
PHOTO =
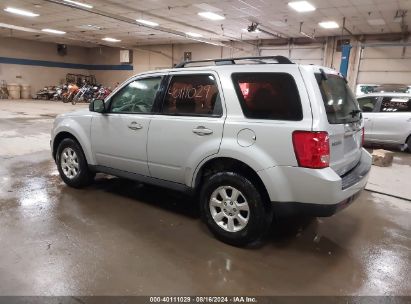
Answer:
(135, 126)
(201, 130)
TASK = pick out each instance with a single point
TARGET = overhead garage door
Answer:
(312, 54)
(385, 65)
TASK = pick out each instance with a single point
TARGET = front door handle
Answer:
(202, 131)
(135, 126)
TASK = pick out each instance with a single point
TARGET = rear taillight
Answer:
(362, 137)
(312, 149)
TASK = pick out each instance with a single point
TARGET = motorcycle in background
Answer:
(72, 91)
(103, 93)
(60, 91)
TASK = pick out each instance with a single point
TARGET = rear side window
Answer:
(340, 103)
(367, 104)
(268, 95)
(193, 95)
(396, 104)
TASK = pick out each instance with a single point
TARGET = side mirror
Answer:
(97, 105)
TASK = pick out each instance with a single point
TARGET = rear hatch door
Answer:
(344, 119)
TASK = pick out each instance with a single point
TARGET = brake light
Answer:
(362, 137)
(312, 149)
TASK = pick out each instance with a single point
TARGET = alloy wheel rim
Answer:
(69, 163)
(229, 208)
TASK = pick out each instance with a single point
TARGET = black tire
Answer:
(84, 176)
(409, 144)
(260, 213)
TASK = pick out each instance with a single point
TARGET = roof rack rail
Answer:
(228, 61)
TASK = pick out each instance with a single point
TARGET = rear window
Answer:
(268, 96)
(340, 104)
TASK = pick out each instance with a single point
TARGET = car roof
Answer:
(237, 67)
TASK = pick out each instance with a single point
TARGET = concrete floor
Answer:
(120, 238)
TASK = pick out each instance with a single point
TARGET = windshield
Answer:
(340, 104)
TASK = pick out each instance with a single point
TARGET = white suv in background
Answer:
(387, 118)
(252, 137)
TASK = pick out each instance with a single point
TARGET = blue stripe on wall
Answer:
(57, 64)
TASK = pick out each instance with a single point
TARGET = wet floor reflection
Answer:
(120, 237)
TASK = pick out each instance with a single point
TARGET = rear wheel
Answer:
(72, 164)
(234, 209)
(409, 144)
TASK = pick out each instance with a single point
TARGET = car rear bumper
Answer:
(283, 209)
(317, 192)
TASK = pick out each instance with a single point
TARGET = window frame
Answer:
(166, 87)
(241, 99)
(109, 100)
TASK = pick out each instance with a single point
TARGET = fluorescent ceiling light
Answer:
(111, 39)
(89, 27)
(146, 22)
(302, 6)
(21, 12)
(18, 28)
(376, 22)
(329, 24)
(194, 34)
(256, 31)
(79, 3)
(211, 16)
(53, 31)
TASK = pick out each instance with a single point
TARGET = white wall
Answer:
(38, 76)
(378, 65)
(390, 65)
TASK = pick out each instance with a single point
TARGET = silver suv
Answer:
(387, 118)
(250, 137)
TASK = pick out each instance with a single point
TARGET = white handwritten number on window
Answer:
(189, 92)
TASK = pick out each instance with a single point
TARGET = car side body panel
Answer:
(387, 127)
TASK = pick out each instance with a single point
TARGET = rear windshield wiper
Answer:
(354, 113)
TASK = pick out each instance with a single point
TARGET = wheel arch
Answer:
(60, 136)
(219, 164)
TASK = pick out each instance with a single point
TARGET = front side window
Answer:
(396, 104)
(367, 104)
(340, 104)
(268, 95)
(193, 95)
(136, 97)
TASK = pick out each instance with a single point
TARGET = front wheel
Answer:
(234, 209)
(72, 164)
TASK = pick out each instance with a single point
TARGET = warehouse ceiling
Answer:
(87, 26)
